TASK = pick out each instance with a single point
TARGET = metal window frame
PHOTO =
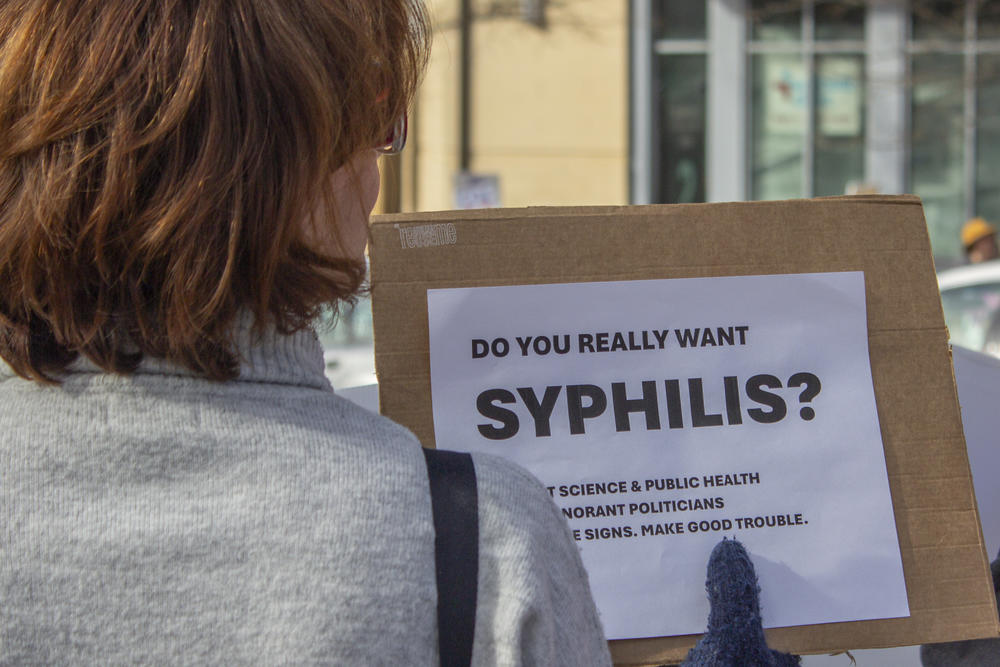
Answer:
(727, 158)
(886, 102)
(970, 48)
(887, 47)
(642, 130)
(725, 130)
(645, 135)
(970, 102)
(808, 48)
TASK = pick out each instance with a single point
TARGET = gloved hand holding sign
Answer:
(735, 634)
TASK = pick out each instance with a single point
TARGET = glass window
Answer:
(840, 19)
(682, 128)
(778, 126)
(988, 137)
(775, 20)
(988, 19)
(807, 106)
(678, 19)
(938, 19)
(954, 120)
(937, 146)
(838, 153)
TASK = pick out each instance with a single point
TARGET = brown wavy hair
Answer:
(158, 159)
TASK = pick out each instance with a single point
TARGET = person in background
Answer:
(979, 239)
(184, 186)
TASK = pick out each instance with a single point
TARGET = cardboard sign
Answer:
(882, 239)
(675, 413)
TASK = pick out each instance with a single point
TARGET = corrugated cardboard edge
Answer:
(937, 520)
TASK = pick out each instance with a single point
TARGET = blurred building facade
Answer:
(576, 102)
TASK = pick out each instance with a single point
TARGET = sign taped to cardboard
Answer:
(884, 239)
(665, 414)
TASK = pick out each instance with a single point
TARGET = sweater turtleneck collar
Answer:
(268, 357)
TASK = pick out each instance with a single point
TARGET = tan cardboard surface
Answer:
(944, 561)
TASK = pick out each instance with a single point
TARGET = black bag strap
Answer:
(455, 504)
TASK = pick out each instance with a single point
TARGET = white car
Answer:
(970, 296)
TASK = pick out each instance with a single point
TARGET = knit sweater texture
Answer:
(161, 518)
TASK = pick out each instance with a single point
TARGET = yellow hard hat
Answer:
(976, 230)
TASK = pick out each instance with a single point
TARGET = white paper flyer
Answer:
(664, 415)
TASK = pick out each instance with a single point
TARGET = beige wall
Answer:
(549, 108)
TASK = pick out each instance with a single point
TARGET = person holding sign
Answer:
(184, 186)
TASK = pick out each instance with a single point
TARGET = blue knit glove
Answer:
(735, 635)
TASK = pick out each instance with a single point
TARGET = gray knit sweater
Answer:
(164, 519)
